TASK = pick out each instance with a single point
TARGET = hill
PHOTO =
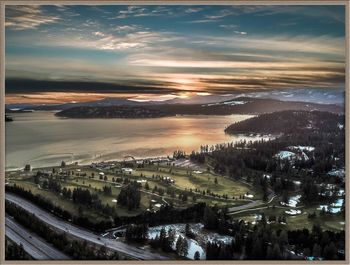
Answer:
(243, 105)
(288, 122)
(108, 112)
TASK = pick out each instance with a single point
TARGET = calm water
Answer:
(41, 139)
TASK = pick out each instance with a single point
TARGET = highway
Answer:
(35, 246)
(126, 249)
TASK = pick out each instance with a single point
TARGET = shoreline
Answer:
(92, 161)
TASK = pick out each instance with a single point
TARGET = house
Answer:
(127, 170)
(141, 181)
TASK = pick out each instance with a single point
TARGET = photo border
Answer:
(168, 2)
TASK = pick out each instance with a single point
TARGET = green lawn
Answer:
(185, 179)
(204, 181)
(59, 200)
(330, 222)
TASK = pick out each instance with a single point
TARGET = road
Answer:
(34, 245)
(252, 204)
(126, 249)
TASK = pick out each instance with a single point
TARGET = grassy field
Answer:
(59, 200)
(185, 180)
(327, 222)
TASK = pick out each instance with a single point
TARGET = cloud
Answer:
(240, 32)
(317, 12)
(99, 33)
(221, 14)
(215, 17)
(320, 11)
(201, 21)
(21, 17)
(229, 26)
(324, 44)
(16, 86)
(175, 63)
(287, 24)
(193, 9)
(327, 14)
(128, 28)
(139, 39)
(92, 48)
(143, 11)
(153, 58)
(105, 39)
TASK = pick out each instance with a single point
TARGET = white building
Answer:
(127, 170)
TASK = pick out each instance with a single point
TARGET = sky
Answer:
(72, 53)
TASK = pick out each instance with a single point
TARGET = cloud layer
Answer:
(174, 49)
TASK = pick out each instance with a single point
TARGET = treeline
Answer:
(178, 154)
(166, 214)
(83, 197)
(136, 233)
(15, 252)
(44, 203)
(262, 241)
(259, 155)
(40, 201)
(250, 160)
(166, 241)
(289, 121)
(76, 249)
(130, 196)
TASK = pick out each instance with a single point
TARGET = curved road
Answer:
(252, 204)
(34, 245)
(127, 250)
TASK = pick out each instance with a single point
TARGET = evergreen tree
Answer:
(130, 196)
(316, 251)
(209, 218)
(330, 251)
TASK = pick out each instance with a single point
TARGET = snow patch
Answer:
(293, 212)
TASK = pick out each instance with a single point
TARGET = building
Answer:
(27, 167)
(127, 170)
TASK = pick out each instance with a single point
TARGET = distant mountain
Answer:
(103, 103)
(18, 106)
(318, 96)
(242, 105)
